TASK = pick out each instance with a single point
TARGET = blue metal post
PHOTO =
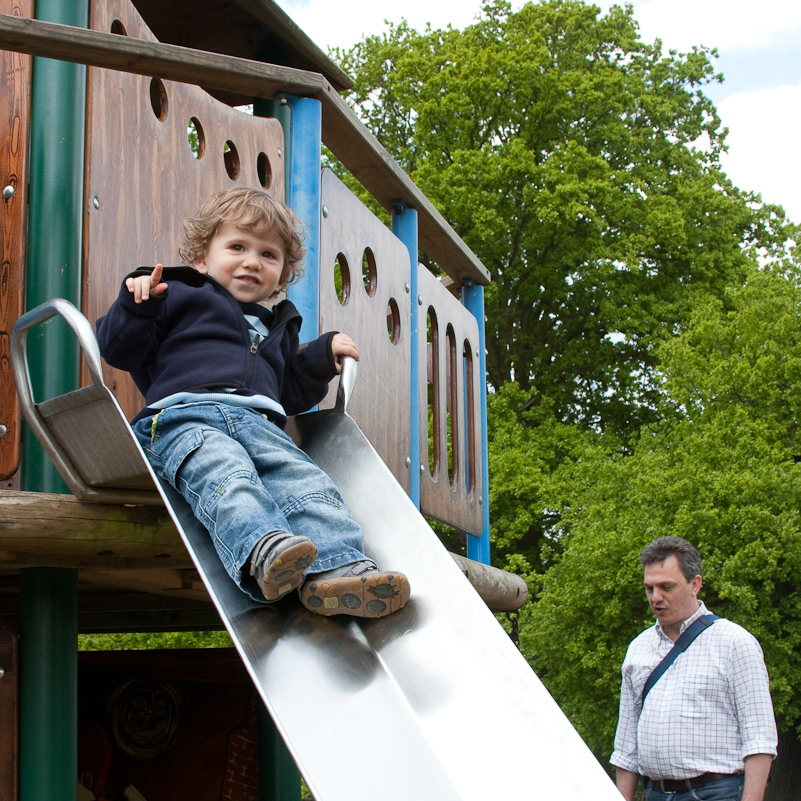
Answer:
(404, 226)
(49, 597)
(305, 138)
(478, 548)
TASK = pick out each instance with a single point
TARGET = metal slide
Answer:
(433, 703)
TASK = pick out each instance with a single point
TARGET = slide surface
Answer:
(433, 703)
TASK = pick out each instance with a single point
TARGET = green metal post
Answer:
(49, 598)
(279, 777)
(49, 684)
(279, 110)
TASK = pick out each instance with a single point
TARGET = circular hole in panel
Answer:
(369, 276)
(196, 137)
(265, 170)
(393, 321)
(158, 99)
(342, 279)
(231, 157)
(118, 28)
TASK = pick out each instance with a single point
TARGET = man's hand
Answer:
(342, 345)
(143, 286)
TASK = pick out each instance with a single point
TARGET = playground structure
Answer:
(120, 152)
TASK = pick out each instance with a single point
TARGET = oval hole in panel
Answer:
(432, 394)
(196, 138)
(118, 28)
(470, 452)
(369, 275)
(158, 99)
(265, 170)
(393, 321)
(452, 406)
(342, 279)
(231, 157)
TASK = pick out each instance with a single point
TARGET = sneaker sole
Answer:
(286, 572)
(374, 595)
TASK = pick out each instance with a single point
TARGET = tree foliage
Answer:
(582, 166)
(720, 470)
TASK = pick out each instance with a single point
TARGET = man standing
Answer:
(707, 722)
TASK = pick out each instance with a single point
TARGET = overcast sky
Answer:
(759, 46)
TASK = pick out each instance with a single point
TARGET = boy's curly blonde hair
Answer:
(253, 210)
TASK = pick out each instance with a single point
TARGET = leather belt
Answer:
(683, 785)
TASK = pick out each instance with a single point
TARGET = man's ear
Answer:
(696, 585)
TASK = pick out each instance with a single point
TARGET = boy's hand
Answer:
(143, 286)
(342, 345)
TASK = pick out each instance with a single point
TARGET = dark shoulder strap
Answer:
(681, 645)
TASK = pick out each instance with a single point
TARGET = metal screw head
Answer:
(283, 101)
(8, 192)
(3, 431)
(96, 202)
(280, 153)
(2, 673)
(325, 211)
(408, 287)
(419, 300)
(408, 461)
(422, 469)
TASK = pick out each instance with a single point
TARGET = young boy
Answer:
(220, 373)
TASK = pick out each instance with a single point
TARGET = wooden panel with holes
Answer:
(364, 280)
(450, 409)
(15, 97)
(155, 149)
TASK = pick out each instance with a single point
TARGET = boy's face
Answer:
(249, 265)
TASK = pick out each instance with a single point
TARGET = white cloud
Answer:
(763, 152)
(725, 24)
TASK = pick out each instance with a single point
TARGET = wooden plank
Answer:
(15, 97)
(343, 132)
(9, 731)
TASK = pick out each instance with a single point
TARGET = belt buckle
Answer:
(664, 789)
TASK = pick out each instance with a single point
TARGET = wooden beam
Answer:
(139, 548)
(343, 133)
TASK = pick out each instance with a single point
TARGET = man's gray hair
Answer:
(665, 547)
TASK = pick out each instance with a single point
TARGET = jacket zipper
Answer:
(254, 348)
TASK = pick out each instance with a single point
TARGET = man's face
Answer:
(672, 598)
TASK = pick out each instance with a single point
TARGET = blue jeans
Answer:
(728, 789)
(245, 478)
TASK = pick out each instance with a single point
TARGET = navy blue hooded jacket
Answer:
(194, 338)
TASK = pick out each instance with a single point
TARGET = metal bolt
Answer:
(408, 461)
(283, 102)
(280, 153)
(96, 202)
(2, 673)
(422, 469)
(480, 500)
(3, 431)
(8, 192)
(408, 287)
(325, 211)
(419, 300)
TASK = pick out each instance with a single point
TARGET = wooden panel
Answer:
(351, 236)
(343, 132)
(450, 410)
(15, 97)
(9, 738)
(143, 179)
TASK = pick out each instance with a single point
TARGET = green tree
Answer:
(720, 469)
(582, 166)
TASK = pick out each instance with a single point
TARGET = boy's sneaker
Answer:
(278, 561)
(359, 589)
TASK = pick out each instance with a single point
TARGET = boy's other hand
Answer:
(143, 286)
(342, 345)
